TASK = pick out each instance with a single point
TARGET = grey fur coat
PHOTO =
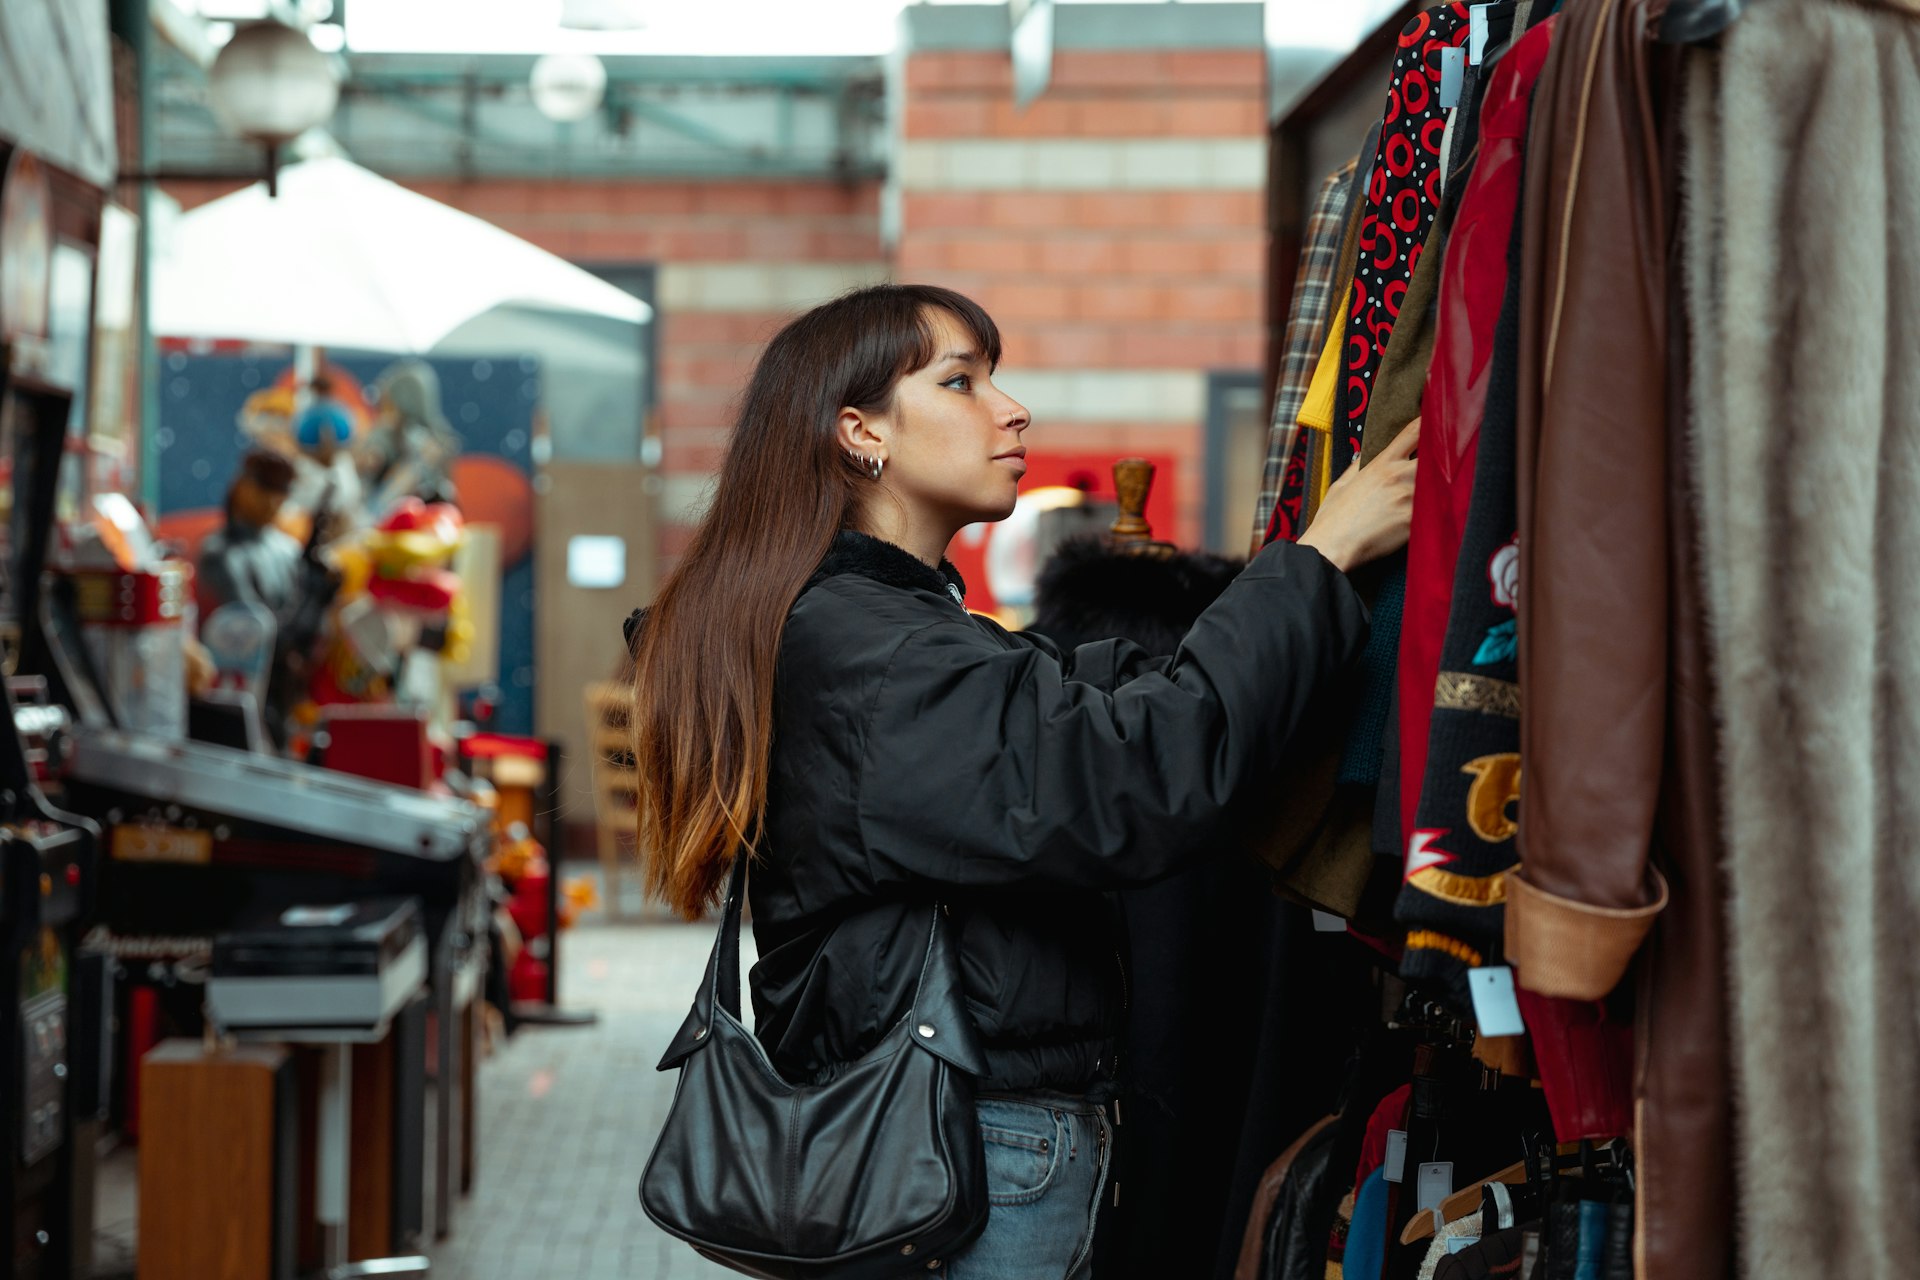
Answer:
(1802, 268)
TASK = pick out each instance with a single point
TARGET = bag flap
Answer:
(692, 1035)
(940, 1008)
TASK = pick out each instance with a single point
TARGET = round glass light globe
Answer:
(568, 86)
(270, 84)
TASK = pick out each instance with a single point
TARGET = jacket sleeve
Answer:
(992, 766)
(1104, 664)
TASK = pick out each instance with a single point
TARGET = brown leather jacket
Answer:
(1593, 518)
(1617, 799)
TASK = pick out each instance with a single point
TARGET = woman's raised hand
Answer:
(1368, 511)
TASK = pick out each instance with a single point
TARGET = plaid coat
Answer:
(1313, 286)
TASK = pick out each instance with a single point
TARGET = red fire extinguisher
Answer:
(528, 907)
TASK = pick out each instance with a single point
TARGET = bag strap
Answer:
(938, 1018)
(723, 967)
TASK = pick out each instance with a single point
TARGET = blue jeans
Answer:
(1047, 1163)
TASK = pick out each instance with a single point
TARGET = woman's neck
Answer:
(924, 538)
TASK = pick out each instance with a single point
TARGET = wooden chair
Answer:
(616, 793)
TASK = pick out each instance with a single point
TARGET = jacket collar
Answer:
(870, 557)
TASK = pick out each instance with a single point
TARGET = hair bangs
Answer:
(972, 318)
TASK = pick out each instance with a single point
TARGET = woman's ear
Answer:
(862, 433)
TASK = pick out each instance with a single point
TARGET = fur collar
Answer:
(1090, 590)
(870, 557)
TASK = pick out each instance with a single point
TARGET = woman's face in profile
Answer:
(955, 448)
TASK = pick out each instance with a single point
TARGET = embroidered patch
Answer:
(1428, 940)
(1503, 571)
(1421, 854)
(1461, 890)
(1463, 691)
(1496, 786)
(1499, 646)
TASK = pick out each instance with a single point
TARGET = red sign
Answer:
(1090, 471)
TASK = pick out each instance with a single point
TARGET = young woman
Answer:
(812, 690)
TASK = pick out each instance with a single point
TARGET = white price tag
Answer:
(1495, 1009)
(317, 917)
(1395, 1167)
(1477, 33)
(1453, 74)
(1327, 922)
(1435, 1185)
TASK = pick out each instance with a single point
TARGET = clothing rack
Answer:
(1601, 204)
(1455, 1110)
(1289, 162)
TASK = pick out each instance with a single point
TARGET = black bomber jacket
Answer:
(922, 754)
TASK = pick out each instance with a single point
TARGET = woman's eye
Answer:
(960, 382)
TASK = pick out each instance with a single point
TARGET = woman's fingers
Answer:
(1367, 512)
(1401, 447)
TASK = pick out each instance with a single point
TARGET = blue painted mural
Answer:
(491, 403)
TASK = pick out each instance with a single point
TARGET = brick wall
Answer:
(1115, 229)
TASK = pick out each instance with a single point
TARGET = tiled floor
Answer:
(568, 1116)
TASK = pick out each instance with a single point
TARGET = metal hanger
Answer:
(1698, 21)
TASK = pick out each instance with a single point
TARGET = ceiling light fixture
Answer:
(568, 86)
(269, 85)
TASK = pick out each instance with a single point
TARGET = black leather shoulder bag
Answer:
(876, 1173)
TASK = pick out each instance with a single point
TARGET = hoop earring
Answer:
(870, 467)
(879, 465)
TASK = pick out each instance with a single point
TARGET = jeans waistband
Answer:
(1051, 1099)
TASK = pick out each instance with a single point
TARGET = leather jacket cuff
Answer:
(1560, 947)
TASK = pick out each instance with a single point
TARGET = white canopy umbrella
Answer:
(590, 374)
(344, 258)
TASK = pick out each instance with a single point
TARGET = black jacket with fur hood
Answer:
(922, 754)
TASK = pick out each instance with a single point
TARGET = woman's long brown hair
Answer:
(704, 667)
